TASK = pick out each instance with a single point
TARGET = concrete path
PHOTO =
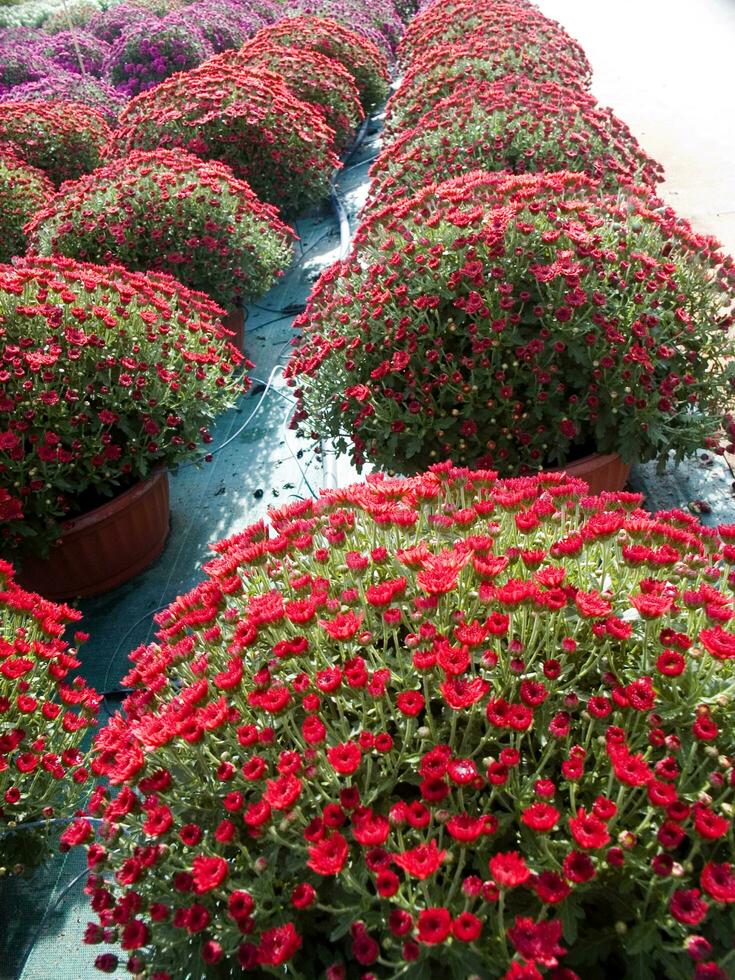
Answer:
(667, 69)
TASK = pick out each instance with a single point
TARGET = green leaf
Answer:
(639, 969)
(570, 913)
(642, 938)
(341, 929)
(590, 951)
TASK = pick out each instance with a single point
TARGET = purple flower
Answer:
(136, 62)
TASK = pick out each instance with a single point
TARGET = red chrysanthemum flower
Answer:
(466, 927)
(509, 869)
(328, 856)
(540, 816)
(278, 945)
(537, 942)
(434, 925)
(209, 872)
(345, 758)
(588, 830)
(421, 862)
(718, 880)
(687, 907)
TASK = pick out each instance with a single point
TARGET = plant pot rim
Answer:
(105, 511)
(106, 546)
(601, 459)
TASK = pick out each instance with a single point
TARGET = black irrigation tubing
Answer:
(345, 232)
(345, 236)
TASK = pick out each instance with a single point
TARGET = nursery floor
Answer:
(665, 67)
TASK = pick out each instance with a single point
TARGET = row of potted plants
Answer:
(516, 297)
(450, 721)
(113, 374)
(103, 57)
(266, 123)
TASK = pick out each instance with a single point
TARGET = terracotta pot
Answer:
(603, 471)
(106, 546)
(235, 322)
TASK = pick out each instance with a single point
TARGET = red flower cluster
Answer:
(23, 190)
(426, 720)
(64, 139)
(105, 374)
(444, 68)
(514, 125)
(244, 117)
(312, 77)
(514, 21)
(362, 59)
(169, 211)
(44, 716)
(517, 322)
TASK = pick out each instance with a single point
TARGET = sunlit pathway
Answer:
(666, 68)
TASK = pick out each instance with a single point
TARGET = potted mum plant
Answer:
(519, 323)
(45, 714)
(513, 125)
(23, 190)
(367, 65)
(244, 117)
(437, 73)
(64, 139)
(312, 77)
(225, 24)
(109, 24)
(76, 51)
(457, 20)
(169, 211)
(111, 377)
(21, 62)
(440, 725)
(140, 58)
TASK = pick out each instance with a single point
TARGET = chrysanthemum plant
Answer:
(519, 323)
(107, 375)
(169, 211)
(365, 62)
(64, 139)
(244, 117)
(45, 713)
(445, 724)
